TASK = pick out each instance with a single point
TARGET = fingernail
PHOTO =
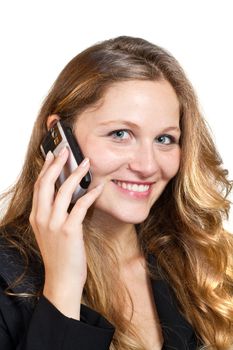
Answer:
(84, 162)
(62, 151)
(49, 156)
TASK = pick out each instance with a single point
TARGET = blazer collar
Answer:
(177, 332)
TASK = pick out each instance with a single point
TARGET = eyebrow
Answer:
(131, 124)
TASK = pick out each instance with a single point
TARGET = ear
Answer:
(52, 119)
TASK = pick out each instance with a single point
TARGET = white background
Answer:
(39, 37)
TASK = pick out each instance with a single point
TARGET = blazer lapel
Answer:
(177, 332)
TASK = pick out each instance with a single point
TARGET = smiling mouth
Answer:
(132, 186)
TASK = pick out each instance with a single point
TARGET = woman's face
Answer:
(132, 141)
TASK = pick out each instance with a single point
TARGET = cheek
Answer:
(102, 159)
(170, 164)
(102, 164)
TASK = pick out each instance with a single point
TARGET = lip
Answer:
(135, 182)
(134, 194)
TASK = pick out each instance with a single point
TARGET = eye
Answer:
(120, 134)
(166, 139)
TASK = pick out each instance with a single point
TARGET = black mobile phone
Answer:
(59, 136)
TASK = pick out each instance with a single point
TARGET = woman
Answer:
(141, 261)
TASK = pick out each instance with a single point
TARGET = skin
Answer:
(148, 152)
(135, 155)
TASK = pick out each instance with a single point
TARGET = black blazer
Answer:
(36, 324)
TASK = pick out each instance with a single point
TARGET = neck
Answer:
(122, 235)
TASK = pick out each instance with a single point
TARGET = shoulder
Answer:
(19, 273)
(15, 278)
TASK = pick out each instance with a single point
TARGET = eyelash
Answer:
(172, 139)
(114, 132)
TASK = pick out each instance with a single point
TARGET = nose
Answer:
(143, 161)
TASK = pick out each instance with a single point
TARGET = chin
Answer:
(119, 212)
(130, 218)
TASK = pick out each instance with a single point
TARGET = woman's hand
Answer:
(59, 234)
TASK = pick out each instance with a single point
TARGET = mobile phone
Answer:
(59, 136)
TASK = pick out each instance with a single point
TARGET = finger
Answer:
(51, 169)
(48, 160)
(80, 208)
(46, 185)
(65, 192)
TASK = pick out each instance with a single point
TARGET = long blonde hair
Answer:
(192, 247)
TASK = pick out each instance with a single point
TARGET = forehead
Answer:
(135, 100)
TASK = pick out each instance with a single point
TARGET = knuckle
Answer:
(31, 218)
(85, 200)
(81, 206)
(66, 229)
(44, 180)
(71, 180)
(72, 177)
(52, 226)
(60, 192)
(81, 201)
(69, 228)
(40, 221)
(78, 172)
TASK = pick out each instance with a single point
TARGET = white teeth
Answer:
(123, 184)
(132, 187)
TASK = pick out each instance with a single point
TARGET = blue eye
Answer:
(120, 134)
(166, 139)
